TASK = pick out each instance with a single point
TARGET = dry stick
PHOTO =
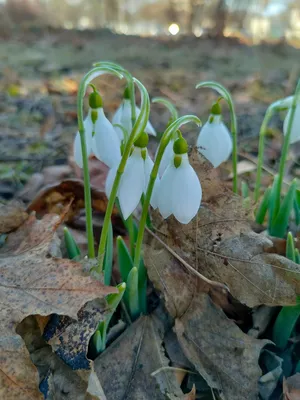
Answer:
(135, 362)
(183, 262)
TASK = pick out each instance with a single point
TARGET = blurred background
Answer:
(250, 46)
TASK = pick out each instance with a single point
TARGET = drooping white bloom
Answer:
(179, 191)
(214, 141)
(123, 117)
(105, 142)
(134, 180)
(100, 136)
(295, 133)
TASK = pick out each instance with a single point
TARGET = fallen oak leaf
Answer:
(32, 282)
(139, 353)
(12, 215)
(225, 356)
(53, 198)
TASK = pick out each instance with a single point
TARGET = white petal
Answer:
(123, 117)
(110, 180)
(163, 197)
(88, 127)
(186, 193)
(148, 168)
(106, 144)
(149, 128)
(166, 158)
(215, 142)
(132, 183)
(155, 194)
(295, 133)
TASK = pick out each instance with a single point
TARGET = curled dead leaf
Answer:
(54, 198)
(12, 215)
(33, 282)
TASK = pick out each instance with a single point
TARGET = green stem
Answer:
(162, 146)
(138, 128)
(171, 108)
(286, 144)
(233, 124)
(86, 178)
(261, 148)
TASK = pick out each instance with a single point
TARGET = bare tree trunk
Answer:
(220, 18)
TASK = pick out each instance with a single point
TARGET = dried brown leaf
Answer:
(35, 283)
(225, 356)
(220, 244)
(12, 215)
(125, 368)
(54, 198)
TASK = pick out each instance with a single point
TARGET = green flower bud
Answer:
(216, 109)
(126, 94)
(177, 161)
(142, 140)
(94, 116)
(180, 146)
(144, 154)
(95, 100)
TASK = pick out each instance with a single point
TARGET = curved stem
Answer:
(286, 144)
(168, 104)
(86, 178)
(233, 124)
(261, 148)
(162, 146)
(138, 128)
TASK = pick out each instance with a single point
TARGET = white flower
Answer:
(179, 191)
(105, 142)
(100, 136)
(88, 128)
(295, 133)
(214, 141)
(134, 180)
(123, 117)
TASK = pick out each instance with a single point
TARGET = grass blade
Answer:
(290, 247)
(132, 293)
(108, 256)
(284, 325)
(124, 259)
(263, 207)
(71, 246)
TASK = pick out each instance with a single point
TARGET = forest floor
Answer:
(40, 75)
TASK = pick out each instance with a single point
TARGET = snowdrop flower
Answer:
(123, 117)
(100, 136)
(135, 178)
(179, 191)
(214, 140)
(295, 133)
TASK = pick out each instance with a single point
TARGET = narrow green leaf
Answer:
(296, 211)
(284, 325)
(124, 259)
(97, 342)
(108, 256)
(297, 256)
(280, 224)
(132, 293)
(114, 299)
(245, 190)
(142, 287)
(290, 247)
(263, 207)
(131, 227)
(71, 246)
(297, 369)
(272, 201)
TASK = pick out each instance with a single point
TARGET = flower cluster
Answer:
(177, 189)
